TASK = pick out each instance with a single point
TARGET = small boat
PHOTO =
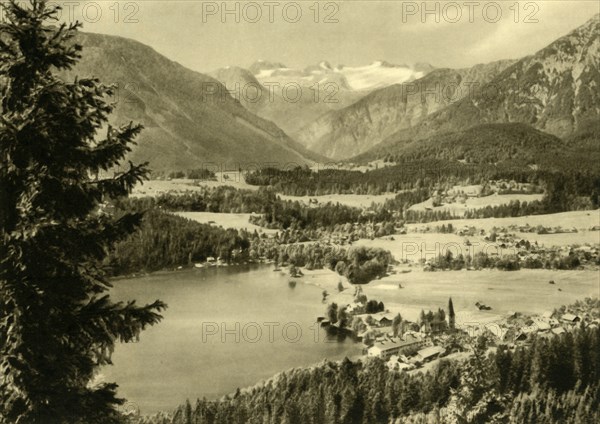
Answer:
(199, 265)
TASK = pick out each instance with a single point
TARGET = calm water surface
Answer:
(224, 328)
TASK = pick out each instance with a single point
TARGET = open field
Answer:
(524, 291)
(235, 180)
(581, 220)
(180, 186)
(477, 202)
(416, 246)
(236, 221)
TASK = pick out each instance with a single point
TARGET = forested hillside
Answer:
(515, 145)
(553, 90)
(190, 119)
(553, 380)
(165, 241)
(354, 129)
(415, 181)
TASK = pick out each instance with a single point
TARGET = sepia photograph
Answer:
(299, 212)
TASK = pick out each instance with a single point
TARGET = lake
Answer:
(224, 328)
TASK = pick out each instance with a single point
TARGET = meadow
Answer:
(237, 221)
(580, 220)
(526, 291)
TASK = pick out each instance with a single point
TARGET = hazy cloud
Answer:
(365, 31)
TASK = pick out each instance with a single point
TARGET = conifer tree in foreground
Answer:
(57, 322)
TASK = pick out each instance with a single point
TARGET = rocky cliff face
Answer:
(555, 90)
(292, 98)
(355, 129)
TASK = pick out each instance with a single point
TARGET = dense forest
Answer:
(404, 176)
(481, 260)
(165, 241)
(273, 212)
(502, 145)
(224, 199)
(414, 181)
(193, 174)
(552, 380)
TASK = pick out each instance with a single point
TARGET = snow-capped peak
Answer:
(368, 77)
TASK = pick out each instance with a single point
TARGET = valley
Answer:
(382, 223)
(489, 230)
(406, 288)
(417, 279)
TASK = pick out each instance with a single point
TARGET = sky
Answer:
(206, 35)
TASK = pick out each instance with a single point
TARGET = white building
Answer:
(385, 349)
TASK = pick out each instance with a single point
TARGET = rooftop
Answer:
(430, 351)
(396, 343)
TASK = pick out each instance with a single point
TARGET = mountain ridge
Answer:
(499, 145)
(554, 90)
(190, 120)
(352, 130)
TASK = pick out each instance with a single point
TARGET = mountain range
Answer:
(289, 108)
(237, 115)
(555, 90)
(357, 78)
(355, 129)
(189, 118)
(293, 98)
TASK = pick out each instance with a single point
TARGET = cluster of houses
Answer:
(497, 234)
(518, 329)
(409, 350)
(412, 349)
(417, 344)
(540, 229)
(544, 325)
(211, 261)
(526, 250)
(461, 193)
(502, 243)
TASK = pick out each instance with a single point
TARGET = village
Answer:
(408, 346)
